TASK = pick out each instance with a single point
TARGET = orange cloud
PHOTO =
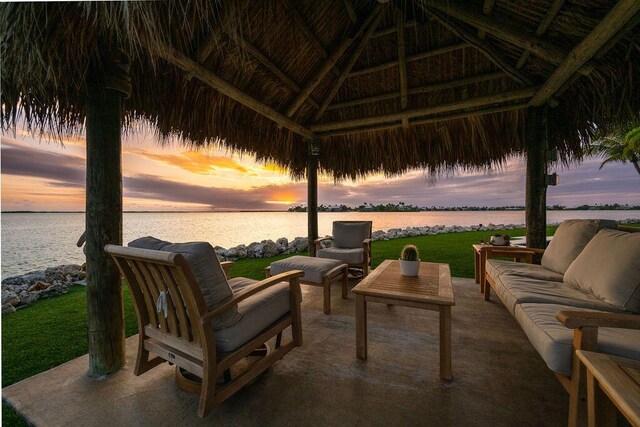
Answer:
(196, 162)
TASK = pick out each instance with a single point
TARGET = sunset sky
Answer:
(42, 174)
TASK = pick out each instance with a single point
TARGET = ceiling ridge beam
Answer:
(350, 63)
(433, 87)
(310, 86)
(402, 64)
(487, 8)
(505, 31)
(485, 100)
(424, 121)
(188, 65)
(542, 28)
(410, 58)
(483, 46)
(607, 28)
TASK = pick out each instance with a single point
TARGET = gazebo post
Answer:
(312, 193)
(536, 140)
(105, 314)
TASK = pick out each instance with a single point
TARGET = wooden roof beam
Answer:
(390, 30)
(483, 46)
(433, 87)
(402, 65)
(487, 8)
(607, 28)
(330, 63)
(542, 28)
(351, 10)
(350, 63)
(182, 61)
(411, 58)
(481, 101)
(424, 121)
(504, 31)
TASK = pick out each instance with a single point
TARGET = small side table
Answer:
(612, 382)
(482, 251)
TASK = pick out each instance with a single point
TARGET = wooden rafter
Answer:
(411, 58)
(481, 101)
(351, 10)
(302, 25)
(504, 31)
(487, 8)
(390, 30)
(542, 28)
(433, 87)
(330, 63)
(182, 61)
(494, 56)
(424, 121)
(607, 28)
(402, 65)
(350, 63)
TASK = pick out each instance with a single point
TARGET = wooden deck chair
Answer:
(176, 324)
(351, 244)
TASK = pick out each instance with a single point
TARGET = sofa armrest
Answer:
(581, 319)
(317, 242)
(292, 276)
(510, 252)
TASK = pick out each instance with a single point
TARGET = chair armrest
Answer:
(579, 319)
(498, 252)
(335, 270)
(291, 276)
(320, 240)
(366, 242)
(226, 267)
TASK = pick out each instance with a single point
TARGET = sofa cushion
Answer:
(349, 256)
(569, 240)
(256, 313)
(553, 341)
(514, 289)
(206, 269)
(495, 267)
(609, 268)
(350, 234)
(314, 268)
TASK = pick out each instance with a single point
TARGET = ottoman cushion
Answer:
(314, 268)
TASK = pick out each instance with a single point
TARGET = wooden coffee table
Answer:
(430, 290)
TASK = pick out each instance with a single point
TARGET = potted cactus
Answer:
(409, 261)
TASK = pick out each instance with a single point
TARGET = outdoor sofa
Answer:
(585, 294)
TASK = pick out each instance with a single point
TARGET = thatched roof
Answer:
(407, 84)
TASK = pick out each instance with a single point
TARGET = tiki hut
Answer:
(347, 87)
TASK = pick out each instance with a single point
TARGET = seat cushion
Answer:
(609, 268)
(349, 256)
(314, 268)
(256, 313)
(206, 269)
(553, 341)
(350, 234)
(495, 267)
(513, 289)
(569, 240)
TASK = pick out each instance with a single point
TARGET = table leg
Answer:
(361, 327)
(483, 267)
(445, 342)
(476, 265)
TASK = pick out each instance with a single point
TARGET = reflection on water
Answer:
(38, 240)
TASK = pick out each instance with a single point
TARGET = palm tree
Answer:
(618, 146)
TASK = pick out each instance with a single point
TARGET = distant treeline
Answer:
(402, 207)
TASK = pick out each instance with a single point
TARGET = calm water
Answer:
(35, 241)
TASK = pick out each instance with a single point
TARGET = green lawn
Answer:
(53, 331)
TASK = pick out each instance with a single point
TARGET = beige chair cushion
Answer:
(553, 341)
(609, 268)
(350, 234)
(206, 269)
(349, 256)
(256, 313)
(495, 267)
(569, 240)
(314, 268)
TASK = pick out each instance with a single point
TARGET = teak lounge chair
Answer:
(205, 328)
(351, 244)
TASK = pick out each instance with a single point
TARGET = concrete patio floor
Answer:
(499, 379)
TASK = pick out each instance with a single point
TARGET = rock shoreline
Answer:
(23, 290)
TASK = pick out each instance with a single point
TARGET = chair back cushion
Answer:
(347, 234)
(609, 269)
(569, 240)
(206, 269)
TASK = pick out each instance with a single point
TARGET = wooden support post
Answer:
(105, 314)
(536, 190)
(312, 194)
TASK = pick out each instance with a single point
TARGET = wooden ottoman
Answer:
(317, 272)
